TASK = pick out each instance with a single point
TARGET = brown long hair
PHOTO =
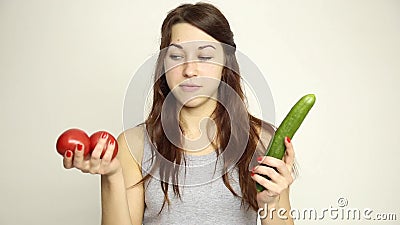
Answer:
(209, 19)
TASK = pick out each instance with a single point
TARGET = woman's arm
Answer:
(280, 211)
(115, 209)
(274, 200)
(123, 203)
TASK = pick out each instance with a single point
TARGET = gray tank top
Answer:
(204, 197)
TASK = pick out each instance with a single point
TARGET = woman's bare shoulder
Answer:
(131, 143)
(265, 131)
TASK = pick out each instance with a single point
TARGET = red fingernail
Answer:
(288, 139)
(79, 147)
(111, 141)
(259, 158)
(69, 154)
(252, 174)
(104, 135)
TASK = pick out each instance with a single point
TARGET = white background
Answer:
(68, 63)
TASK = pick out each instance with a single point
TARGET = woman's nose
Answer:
(190, 69)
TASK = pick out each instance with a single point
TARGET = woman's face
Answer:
(193, 65)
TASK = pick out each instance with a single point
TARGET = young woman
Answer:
(194, 160)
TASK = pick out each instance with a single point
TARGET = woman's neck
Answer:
(196, 123)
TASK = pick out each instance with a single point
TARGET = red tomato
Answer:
(69, 139)
(94, 138)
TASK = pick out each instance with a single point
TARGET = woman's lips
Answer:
(189, 87)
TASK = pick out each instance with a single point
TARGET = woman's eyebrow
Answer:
(199, 48)
(176, 45)
(206, 46)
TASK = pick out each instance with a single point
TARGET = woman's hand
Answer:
(93, 163)
(280, 179)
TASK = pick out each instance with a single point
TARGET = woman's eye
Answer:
(175, 57)
(205, 58)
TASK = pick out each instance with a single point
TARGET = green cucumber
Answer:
(288, 128)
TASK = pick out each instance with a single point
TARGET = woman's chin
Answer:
(197, 102)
